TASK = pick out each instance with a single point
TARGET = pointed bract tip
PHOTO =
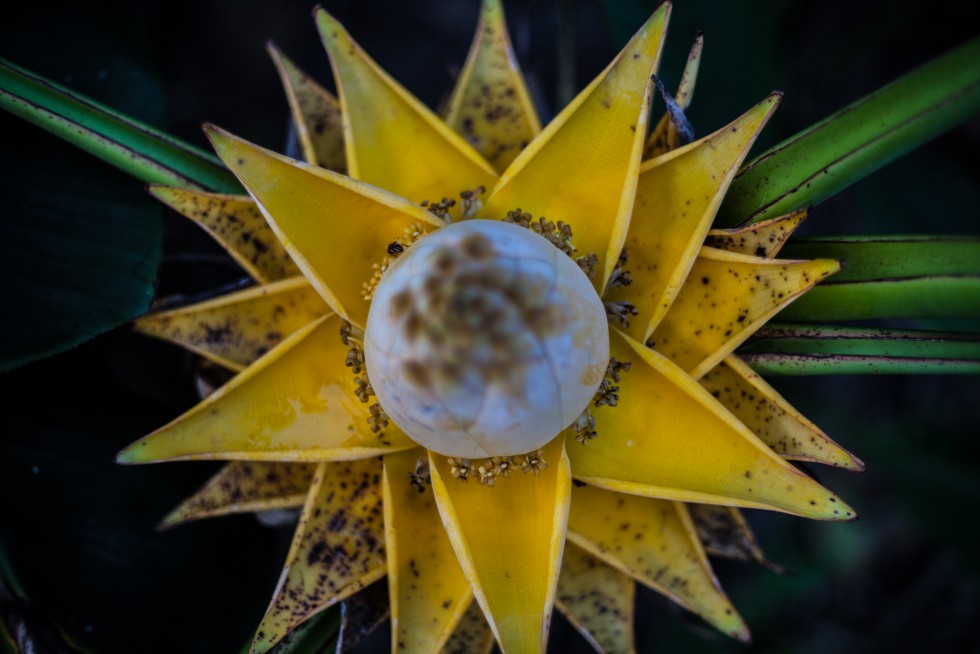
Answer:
(742, 635)
(272, 48)
(699, 35)
(321, 15)
(215, 134)
(490, 7)
(775, 568)
(126, 456)
(841, 512)
(169, 521)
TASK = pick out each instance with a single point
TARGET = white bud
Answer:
(483, 339)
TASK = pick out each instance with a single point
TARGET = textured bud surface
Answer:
(483, 339)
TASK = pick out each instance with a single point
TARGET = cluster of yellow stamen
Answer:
(412, 234)
(606, 395)
(353, 338)
(470, 204)
(558, 234)
(490, 469)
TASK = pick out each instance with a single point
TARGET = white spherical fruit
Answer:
(483, 339)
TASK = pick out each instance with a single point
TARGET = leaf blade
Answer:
(892, 277)
(827, 350)
(148, 154)
(860, 138)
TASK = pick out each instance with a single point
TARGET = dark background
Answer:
(79, 530)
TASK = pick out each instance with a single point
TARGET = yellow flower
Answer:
(405, 473)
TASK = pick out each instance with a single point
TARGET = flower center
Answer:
(484, 340)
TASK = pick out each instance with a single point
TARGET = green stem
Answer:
(148, 154)
(791, 349)
(843, 148)
(891, 277)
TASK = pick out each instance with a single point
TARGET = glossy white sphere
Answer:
(484, 339)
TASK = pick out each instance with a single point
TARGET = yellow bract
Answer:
(236, 329)
(296, 403)
(770, 417)
(595, 143)
(509, 542)
(762, 239)
(244, 487)
(728, 298)
(335, 227)
(669, 438)
(597, 599)
(393, 141)
(427, 587)
(236, 223)
(339, 547)
(316, 115)
(686, 420)
(677, 197)
(491, 106)
(652, 541)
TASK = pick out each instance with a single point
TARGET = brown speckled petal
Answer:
(726, 298)
(472, 635)
(677, 197)
(770, 417)
(316, 115)
(597, 599)
(237, 225)
(761, 239)
(724, 532)
(654, 542)
(236, 329)
(338, 548)
(490, 106)
(246, 487)
(429, 592)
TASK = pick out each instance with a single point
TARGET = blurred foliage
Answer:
(79, 529)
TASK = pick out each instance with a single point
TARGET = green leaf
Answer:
(843, 148)
(79, 247)
(823, 350)
(890, 277)
(141, 151)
